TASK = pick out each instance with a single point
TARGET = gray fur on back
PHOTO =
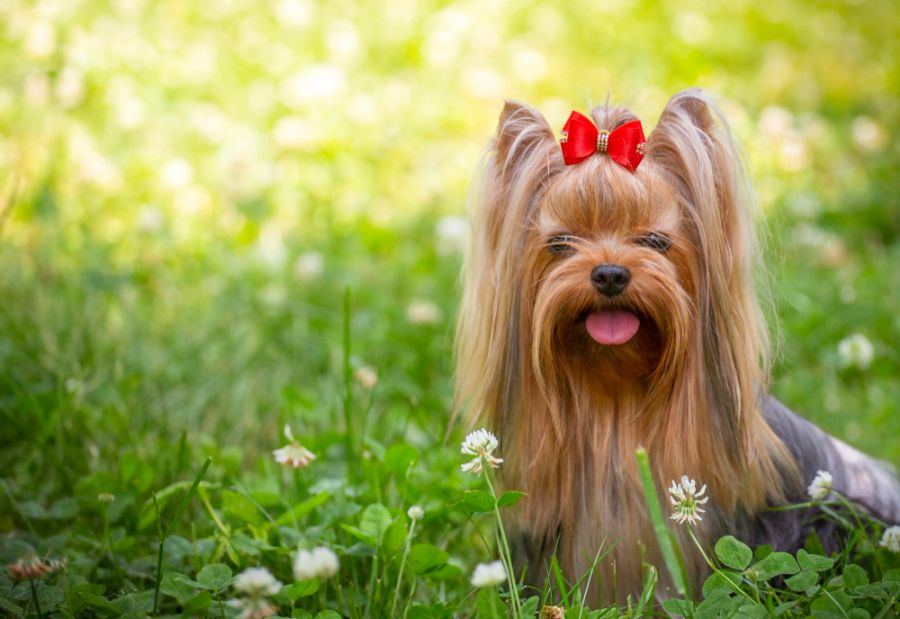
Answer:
(869, 483)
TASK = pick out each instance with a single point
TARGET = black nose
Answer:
(610, 279)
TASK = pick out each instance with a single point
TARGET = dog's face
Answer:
(610, 307)
(593, 279)
(600, 276)
(612, 269)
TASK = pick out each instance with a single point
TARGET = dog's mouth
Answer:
(612, 327)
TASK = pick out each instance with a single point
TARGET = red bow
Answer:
(581, 139)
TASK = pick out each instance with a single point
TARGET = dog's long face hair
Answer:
(606, 310)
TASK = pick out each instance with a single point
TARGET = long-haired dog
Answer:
(609, 304)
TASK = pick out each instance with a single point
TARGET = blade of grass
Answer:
(348, 388)
(15, 505)
(667, 543)
(503, 546)
(547, 589)
(887, 608)
(12, 188)
(601, 554)
(560, 581)
(164, 533)
(34, 597)
(650, 581)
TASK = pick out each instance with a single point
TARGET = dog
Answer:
(609, 304)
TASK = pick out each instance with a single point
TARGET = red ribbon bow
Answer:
(581, 139)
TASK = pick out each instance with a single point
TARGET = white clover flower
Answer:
(804, 205)
(70, 87)
(553, 612)
(294, 132)
(192, 200)
(293, 454)
(775, 121)
(415, 512)
(686, 500)
(488, 574)
(252, 608)
(480, 444)
(92, 166)
(73, 385)
(270, 248)
(150, 219)
(319, 563)
(273, 295)
(868, 134)
(366, 376)
(856, 350)
(37, 89)
(33, 568)
(421, 312)
(309, 266)
(257, 582)
(891, 539)
(452, 234)
(792, 152)
(821, 486)
(473, 466)
(127, 107)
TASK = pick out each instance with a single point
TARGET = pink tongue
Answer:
(612, 327)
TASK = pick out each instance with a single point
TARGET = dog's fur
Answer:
(690, 386)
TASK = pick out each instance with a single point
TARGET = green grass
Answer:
(152, 318)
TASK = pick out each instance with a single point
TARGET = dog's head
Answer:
(597, 281)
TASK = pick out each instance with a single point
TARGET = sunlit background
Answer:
(188, 189)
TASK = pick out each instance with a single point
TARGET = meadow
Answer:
(219, 219)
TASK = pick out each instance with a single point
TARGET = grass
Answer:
(124, 383)
(164, 216)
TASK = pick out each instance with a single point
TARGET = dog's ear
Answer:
(520, 130)
(522, 156)
(694, 105)
(693, 144)
(692, 141)
(491, 356)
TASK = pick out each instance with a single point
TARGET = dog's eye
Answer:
(659, 242)
(561, 245)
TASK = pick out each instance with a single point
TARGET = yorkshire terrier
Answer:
(609, 304)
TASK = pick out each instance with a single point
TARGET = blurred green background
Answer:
(188, 189)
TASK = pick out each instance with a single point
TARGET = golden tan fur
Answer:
(570, 413)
